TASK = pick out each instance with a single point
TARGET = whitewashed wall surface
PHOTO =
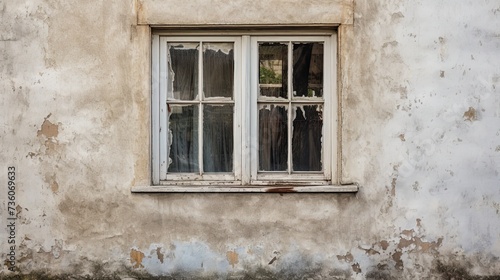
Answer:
(419, 84)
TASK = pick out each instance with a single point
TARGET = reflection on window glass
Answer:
(218, 138)
(306, 137)
(273, 138)
(218, 69)
(308, 69)
(273, 69)
(182, 70)
(183, 138)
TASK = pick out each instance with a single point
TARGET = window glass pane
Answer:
(273, 138)
(182, 71)
(183, 138)
(308, 69)
(218, 69)
(218, 138)
(307, 137)
(273, 69)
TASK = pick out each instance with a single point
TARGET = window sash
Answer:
(328, 101)
(162, 127)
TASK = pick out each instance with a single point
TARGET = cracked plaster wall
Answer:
(421, 135)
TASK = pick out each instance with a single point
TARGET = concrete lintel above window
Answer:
(349, 188)
(201, 12)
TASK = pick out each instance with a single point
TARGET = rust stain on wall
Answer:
(281, 190)
(136, 258)
(232, 258)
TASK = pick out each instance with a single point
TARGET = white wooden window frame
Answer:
(160, 131)
(246, 177)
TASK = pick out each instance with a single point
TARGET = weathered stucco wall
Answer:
(421, 136)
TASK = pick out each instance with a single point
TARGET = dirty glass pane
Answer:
(308, 69)
(218, 69)
(307, 137)
(218, 138)
(273, 69)
(183, 138)
(182, 66)
(273, 138)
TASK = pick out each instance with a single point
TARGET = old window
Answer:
(292, 113)
(244, 112)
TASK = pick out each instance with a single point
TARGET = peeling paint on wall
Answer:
(470, 115)
(136, 258)
(48, 129)
(232, 258)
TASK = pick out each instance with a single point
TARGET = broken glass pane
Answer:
(307, 137)
(218, 69)
(218, 138)
(182, 71)
(183, 136)
(308, 69)
(273, 69)
(273, 138)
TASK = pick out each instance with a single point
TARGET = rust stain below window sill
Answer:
(345, 188)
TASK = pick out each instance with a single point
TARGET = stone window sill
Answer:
(346, 188)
